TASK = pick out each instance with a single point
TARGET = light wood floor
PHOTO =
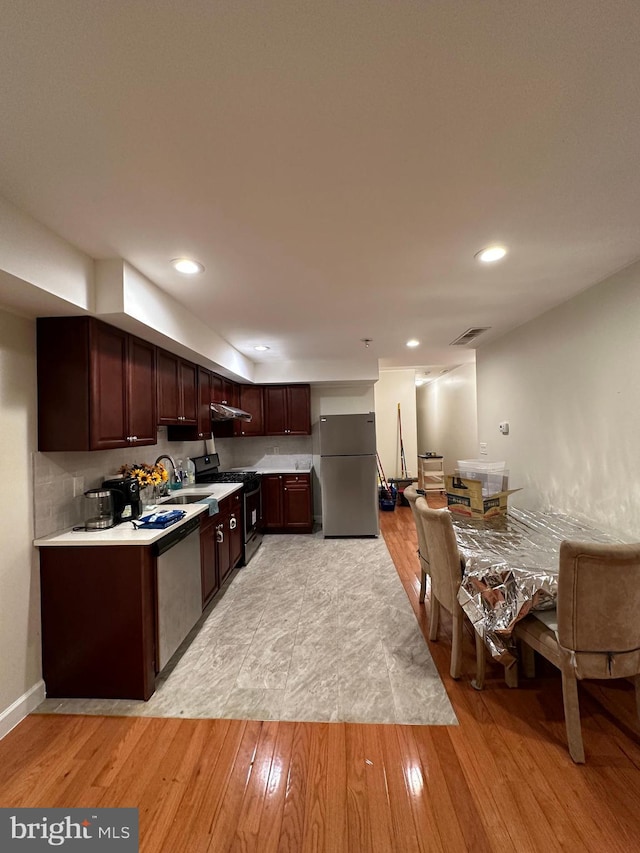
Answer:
(502, 780)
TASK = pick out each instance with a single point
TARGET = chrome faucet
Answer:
(164, 487)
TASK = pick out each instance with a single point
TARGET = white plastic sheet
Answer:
(511, 568)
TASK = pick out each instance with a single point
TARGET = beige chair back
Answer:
(444, 558)
(412, 496)
(599, 608)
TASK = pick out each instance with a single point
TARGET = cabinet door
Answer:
(188, 382)
(296, 493)
(204, 402)
(141, 392)
(217, 388)
(235, 530)
(229, 393)
(223, 546)
(208, 562)
(168, 388)
(251, 401)
(108, 384)
(275, 409)
(272, 514)
(298, 410)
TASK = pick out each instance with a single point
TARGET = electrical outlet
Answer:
(504, 427)
(276, 451)
(483, 448)
(78, 486)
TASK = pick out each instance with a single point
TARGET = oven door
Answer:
(252, 514)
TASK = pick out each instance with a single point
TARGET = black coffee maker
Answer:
(126, 498)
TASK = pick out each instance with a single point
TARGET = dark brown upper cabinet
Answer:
(250, 400)
(177, 390)
(202, 429)
(287, 409)
(224, 390)
(96, 386)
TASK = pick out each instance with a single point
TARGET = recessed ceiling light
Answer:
(413, 343)
(261, 348)
(491, 254)
(420, 382)
(187, 266)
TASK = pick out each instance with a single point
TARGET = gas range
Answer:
(207, 471)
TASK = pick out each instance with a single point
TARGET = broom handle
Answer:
(381, 471)
(403, 461)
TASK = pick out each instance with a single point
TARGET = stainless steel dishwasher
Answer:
(179, 587)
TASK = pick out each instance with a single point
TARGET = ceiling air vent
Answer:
(468, 336)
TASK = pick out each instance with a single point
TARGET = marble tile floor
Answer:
(312, 629)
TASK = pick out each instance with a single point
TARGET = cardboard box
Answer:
(465, 497)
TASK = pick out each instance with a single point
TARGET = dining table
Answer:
(511, 569)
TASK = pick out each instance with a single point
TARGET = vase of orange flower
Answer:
(150, 479)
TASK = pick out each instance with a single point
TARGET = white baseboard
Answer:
(18, 710)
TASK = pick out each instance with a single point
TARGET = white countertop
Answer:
(279, 470)
(126, 534)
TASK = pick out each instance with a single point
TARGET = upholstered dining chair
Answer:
(411, 494)
(598, 629)
(445, 570)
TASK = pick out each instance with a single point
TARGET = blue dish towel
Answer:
(213, 504)
(160, 519)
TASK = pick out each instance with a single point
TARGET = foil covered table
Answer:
(511, 568)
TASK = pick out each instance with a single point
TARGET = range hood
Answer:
(222, 412)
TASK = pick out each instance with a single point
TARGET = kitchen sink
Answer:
(182, 499)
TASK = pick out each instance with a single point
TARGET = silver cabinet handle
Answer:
(219, 533)
(233, 523)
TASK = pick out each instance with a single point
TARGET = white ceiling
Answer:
(334, 165)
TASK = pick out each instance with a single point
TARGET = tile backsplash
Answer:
(263, 451)
(59, 479)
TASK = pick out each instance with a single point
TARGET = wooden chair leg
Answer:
(481, 662)
(456, 644)
(572, 717)
(434, 612)
(423, 585)
(528, 658)
(511, 675)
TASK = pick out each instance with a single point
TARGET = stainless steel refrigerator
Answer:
(348, 475)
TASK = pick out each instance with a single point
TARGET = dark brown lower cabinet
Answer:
(223, 545)
(235, 527)
(296, 502)
(286, 503)
(98, 621)
(99, 609)
(229, 538)
(208, 558)
(272, 516)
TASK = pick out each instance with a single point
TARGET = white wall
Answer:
(569, 385)
(447, 416)
(36, 263)
(393, 387)
(20, 664)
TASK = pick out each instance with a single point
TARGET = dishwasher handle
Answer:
(175, 537)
